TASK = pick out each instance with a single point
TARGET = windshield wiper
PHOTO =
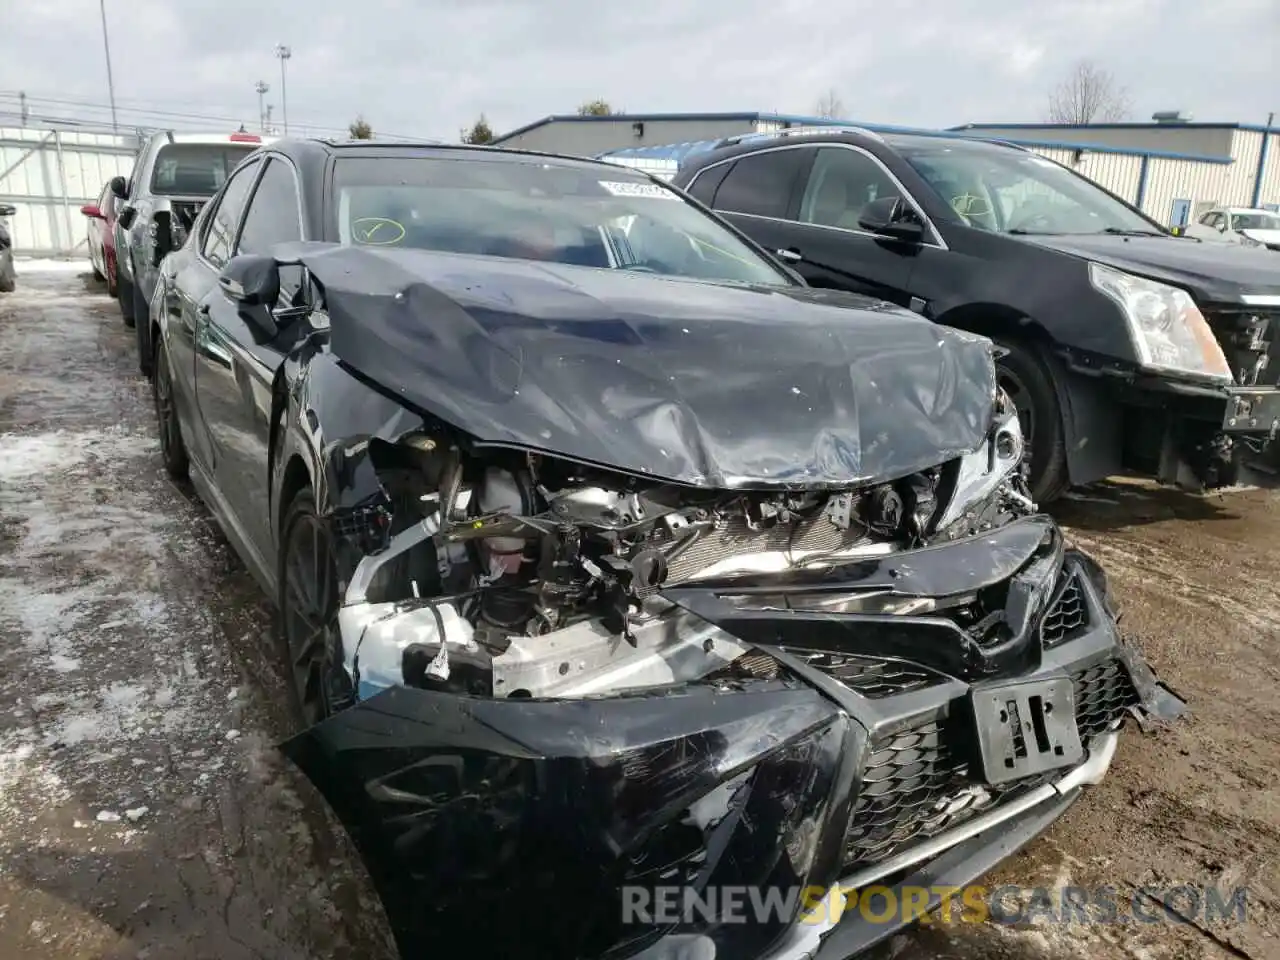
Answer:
(1124, 232)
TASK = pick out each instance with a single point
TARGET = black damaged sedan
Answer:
(618, 568)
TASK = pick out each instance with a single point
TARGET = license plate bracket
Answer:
(1026, 727)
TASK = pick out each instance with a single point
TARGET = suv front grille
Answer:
(917, 784)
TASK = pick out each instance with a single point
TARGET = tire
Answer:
(308, 608)
(142, 326)
(1027, 380)
(126, 300)
(173, 452)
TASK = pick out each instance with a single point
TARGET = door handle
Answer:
(791, 255)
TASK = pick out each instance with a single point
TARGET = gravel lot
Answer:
(144, 812)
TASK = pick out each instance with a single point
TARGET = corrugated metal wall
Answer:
(48, 175)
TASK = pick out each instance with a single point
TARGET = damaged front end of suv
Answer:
(573, 691)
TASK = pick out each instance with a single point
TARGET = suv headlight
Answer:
(1167, 328)
(1248, 241)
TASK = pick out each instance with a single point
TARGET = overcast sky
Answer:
(427, 68)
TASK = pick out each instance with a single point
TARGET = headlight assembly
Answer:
(1248, 241)
(1168, 330)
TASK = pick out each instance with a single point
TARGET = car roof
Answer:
(311, 147)
(238, 137)
(748, 143)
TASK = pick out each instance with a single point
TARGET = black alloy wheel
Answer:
(172, 450)
(309, 608)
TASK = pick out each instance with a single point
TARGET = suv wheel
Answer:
(1026, 379)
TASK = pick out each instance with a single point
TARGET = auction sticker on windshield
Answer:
(621, 188)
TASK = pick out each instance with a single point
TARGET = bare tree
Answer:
(480, 132)
(360, 129)
(830, 106)
(596, 108)
(1089, 94)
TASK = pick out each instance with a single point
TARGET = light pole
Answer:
(106, 45)
(284, 53)
(262, 89)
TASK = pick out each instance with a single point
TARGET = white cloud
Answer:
(429, 69)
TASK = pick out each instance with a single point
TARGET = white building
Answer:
(1172, 171)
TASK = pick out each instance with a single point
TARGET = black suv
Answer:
(1127, 347)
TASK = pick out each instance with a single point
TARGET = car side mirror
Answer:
(91, 210)
(891, 217)
(7, 209)
(1222, 227)
(120, 187)
(253, 283)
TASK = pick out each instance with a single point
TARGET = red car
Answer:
(102, 237)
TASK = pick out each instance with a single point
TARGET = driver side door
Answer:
(236, 363)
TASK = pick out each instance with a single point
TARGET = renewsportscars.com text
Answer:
(940, 904)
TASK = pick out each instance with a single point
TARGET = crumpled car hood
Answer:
(706, 384)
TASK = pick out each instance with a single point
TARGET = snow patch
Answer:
(23, 266)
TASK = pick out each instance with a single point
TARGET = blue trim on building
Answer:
(1262, 168)
(1151, 125)
(1142, 182)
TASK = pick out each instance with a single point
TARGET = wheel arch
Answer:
(1089, 431)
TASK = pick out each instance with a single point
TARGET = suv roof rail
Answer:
(798, 132)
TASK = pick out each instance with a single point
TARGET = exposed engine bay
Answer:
(525, 575)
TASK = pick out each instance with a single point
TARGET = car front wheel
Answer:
(172, 450)
(308, 608)
(1023, 375)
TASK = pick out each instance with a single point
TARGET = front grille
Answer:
(872, 677)
(1067, 618)
(1249, 338)
(1103, 693)
(917, 783)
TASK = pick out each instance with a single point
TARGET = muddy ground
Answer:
(144, 812)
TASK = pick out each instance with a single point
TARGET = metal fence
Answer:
(48, 174)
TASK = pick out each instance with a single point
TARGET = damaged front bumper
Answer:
(825, 730)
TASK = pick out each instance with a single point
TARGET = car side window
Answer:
(703, 189)
(106, 200)
(273, 218)
(761, 183)
(841, 183)
(273, 211)
(220, 231)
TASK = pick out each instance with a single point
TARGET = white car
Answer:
(1241, 225)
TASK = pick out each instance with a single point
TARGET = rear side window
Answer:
(703, 188)
(195, 169)
(761, 183)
